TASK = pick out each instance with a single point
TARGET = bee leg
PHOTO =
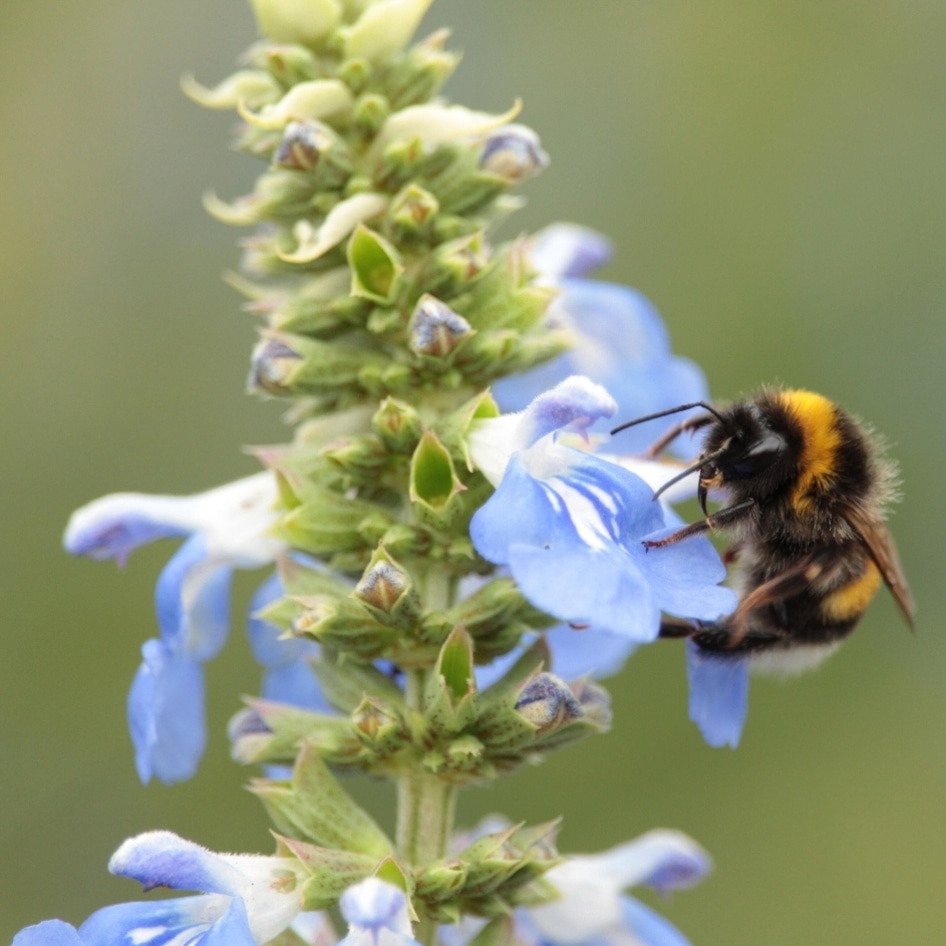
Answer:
(718, 520)
(671, 628)
(694, 423)
(789, 583)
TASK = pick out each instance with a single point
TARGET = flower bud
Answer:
(413, 209)
(271, 732)
(397, 424)
(548, 703)
(297, 21)
(290, 64)
(435, 329)
(419, 74)
(383, 29)
(388, 592)
(513, 153)
(370, 114)
(272, 366)
(306, 145)
(378, 727)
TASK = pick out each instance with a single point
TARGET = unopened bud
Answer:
(513, 153)
(301, 146)
(377, 726)
(272, 366)
(435, 328)
(397, 424)
(548, 703)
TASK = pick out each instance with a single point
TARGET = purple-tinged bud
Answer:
(435, 328)
(548, 703)
(272, 366)
(382, 586)
(513, 153)
(302, 144)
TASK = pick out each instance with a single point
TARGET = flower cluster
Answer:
(454, 557)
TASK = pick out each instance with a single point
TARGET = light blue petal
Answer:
(527, 525)
(192, 600)
(621, 343)
(270, 648)
(650, 928)
(163, 859)
(568, 249)
(166, 714)
(663, 859)
(295, 683)
(519, 510)
(48, 933)
(578, 653)
(488, 674)
(685, 577)
(372, 906)
(195, 921)
(719, 694)
(581, 586)
(113, 527)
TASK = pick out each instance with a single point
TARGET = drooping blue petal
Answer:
(166, 714)
(48, 933)
(211, 920)
(192, 600)
(227, 527)
(650, 928)
(719, 694)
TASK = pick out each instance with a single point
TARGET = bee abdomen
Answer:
(850, 600)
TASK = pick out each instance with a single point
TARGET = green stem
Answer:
(426, 808)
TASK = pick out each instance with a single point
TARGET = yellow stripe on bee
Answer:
(850, 600)
(817, 418)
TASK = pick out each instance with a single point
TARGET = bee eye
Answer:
(762, 455)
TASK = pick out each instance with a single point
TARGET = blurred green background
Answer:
(772, 174)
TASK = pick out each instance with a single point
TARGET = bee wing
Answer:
(879, 543)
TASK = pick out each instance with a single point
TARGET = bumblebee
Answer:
(805, 487)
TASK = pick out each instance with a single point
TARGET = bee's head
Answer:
(748, 451)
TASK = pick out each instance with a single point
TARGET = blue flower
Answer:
(570, 526)
(377, 915)
(246, 899)
(227, 528)
(593, 907)
(719, 694)
(619, 340)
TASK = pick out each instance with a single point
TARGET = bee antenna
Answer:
(669, 410)
(683, 474)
